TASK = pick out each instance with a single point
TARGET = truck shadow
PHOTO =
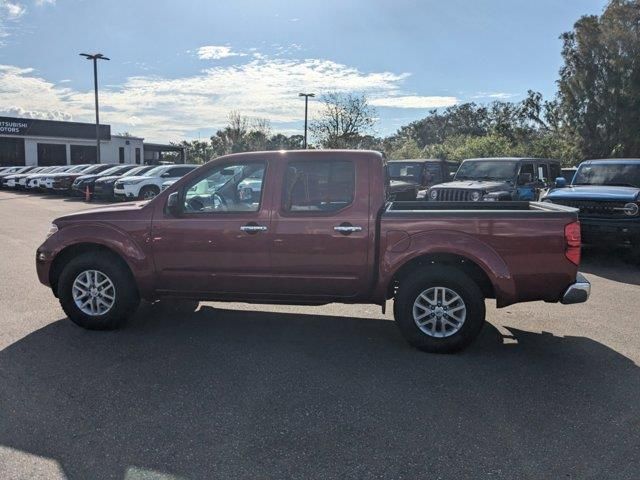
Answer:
(247, 394)
(617, 264)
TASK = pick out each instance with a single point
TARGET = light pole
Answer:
(95, 57)
(306, 109)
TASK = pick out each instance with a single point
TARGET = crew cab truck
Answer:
(607, 194)
(321, 230)
(498, 179)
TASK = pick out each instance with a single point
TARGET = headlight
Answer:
(475, 196)
(421, 194)
(631, 209)
(433, 194)
(52, 229)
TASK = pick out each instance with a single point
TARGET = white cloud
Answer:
(494, 95)
(216, 52)
(164, 109)
(14, 10)
(45, 2)
(414, 101)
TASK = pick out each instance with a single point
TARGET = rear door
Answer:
(321, 232)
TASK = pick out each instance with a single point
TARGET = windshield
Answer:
(156, 172)
(92, 169)
(487, 170)
(618, 174)
(78, 168)
(406, 171)
(137, 171)
(112, 171)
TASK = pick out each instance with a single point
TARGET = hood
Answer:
(110, 178)
(595, 192)
(484, 185)
(108, 212)
(400, 185)
(87, 177)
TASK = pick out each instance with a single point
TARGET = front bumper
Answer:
(578, 292)
(606, 231)
(124, 193)
(102, 191)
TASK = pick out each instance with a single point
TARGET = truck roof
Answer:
(288, 154)
(414, 160)
(600, 161)
(512, 159)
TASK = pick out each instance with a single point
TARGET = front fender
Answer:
(132, 247)
(456, 243)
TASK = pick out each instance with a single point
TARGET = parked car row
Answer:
(103, 181)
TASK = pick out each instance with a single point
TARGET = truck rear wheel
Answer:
(440, 310)
(96, 292)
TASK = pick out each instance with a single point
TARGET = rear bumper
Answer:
(578, 292)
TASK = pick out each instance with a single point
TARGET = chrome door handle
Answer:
(253, 228)
(347, 228)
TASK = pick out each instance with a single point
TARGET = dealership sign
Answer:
(15, 127)
(51, 128)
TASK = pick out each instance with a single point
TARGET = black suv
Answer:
(410, 177)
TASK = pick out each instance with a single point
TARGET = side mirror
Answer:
(561, 182)
(173, 204)
(524, 178)
(165, 175)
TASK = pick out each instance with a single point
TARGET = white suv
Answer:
(147, 186)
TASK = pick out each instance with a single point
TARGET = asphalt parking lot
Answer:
(241, 391)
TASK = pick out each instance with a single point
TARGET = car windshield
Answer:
(92, 169)
(487, 170)
(137, 171)
(156, 172)
(76, 169)
(617, 174)
(112, 171)
(406, 171)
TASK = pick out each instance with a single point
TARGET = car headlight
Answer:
(631, 209)
(433, 194)
(421, 194)
(53, 228)
(475, 196)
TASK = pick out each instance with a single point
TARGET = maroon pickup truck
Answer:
(315, 228)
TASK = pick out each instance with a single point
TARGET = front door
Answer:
(321, 237)
(220, 242)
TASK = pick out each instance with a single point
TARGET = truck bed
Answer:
(520, 244)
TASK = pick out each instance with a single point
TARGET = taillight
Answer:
(573, 240)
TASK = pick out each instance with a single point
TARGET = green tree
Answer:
(599, 85)
(344, 122)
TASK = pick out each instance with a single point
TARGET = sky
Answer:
(178, 68)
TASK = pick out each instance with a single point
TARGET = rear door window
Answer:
(321, 186)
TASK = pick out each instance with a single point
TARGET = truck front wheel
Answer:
(96, 292)
(440, 310)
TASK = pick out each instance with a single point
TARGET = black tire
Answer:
(453, 279)
(126, 294)
(148, 190)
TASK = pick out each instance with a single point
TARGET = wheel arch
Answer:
(71, 251)
(466, 265)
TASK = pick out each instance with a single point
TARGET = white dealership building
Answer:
(26, 141)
